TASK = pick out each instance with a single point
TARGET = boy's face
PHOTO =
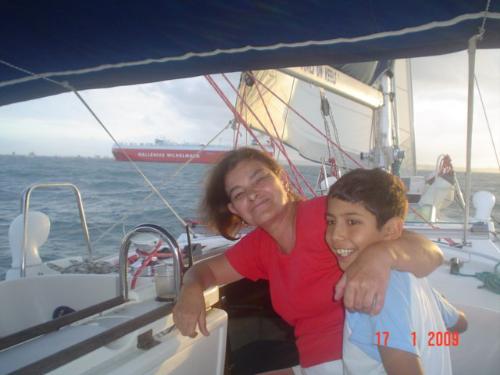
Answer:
(351, 228)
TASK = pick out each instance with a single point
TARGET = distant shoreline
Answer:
(459, 169)
(423, 167)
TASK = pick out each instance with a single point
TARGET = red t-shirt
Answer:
(301, 283)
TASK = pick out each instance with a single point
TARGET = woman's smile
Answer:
(256, 193)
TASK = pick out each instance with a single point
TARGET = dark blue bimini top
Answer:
(105, 43)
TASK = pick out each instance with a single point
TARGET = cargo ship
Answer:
(168, 152)
(162, 151)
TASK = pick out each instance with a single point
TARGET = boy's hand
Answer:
(364, 283)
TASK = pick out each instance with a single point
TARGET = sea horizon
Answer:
(420, 167)
(114, 197)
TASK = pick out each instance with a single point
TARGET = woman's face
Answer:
(255, 192)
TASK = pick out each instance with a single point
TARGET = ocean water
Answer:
(115, 199)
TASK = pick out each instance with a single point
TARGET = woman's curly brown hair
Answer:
(213, 208)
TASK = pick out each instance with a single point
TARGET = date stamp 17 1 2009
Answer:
(434, 338)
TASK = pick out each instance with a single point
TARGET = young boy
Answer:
(410, 335)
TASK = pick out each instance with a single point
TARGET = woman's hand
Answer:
(364, 283)
(189, 311)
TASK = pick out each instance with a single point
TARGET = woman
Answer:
(288, 248)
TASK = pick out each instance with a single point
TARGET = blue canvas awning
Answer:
(106, 43)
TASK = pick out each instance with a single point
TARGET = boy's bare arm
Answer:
(398, 362)
(461, 324)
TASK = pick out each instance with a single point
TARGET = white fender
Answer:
(440, 194)
(38, 232)
(483, 202)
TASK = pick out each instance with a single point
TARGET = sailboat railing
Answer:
(25, 203)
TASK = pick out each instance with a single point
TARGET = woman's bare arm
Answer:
(414, 253)
(189, 311)
(364, 283)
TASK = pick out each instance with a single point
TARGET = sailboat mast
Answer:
(470, 114)
(383, 149)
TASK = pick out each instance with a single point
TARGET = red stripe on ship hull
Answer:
(168, 156)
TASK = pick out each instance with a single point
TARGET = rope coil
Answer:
(491, 280)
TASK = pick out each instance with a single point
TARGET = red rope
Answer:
(445, 166)
(144, 264)
(295, 171)
(280, 147)
(434, 227)
(334, 169)
(423, 218)
(311, 124)
(235, 143)
(232, 108)
(235, 112)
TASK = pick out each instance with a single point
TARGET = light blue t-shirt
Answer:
(412, 311)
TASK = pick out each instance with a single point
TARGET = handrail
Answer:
(123, 256)
(25, 203)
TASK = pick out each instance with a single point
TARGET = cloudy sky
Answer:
(189, 110)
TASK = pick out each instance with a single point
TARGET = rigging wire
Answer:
(326, 113)
(487, 121)
(237, 132)
(231, 107)
(68, 87)
(155, 191)
(311, 124)
(482, 29)
(163, 184)
(337, 139)
(279, 144)
(136, 167)
(285, 119)
(282, 148)
(397, 160)
(235, 112)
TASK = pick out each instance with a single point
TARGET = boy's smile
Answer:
(351, 228)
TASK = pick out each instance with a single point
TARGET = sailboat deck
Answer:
(56, 348)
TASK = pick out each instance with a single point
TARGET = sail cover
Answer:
(96, 43)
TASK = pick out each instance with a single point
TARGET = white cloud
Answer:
(189, 110)
(440, 107)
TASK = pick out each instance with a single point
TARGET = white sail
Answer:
(404, 115)
(287, 104)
